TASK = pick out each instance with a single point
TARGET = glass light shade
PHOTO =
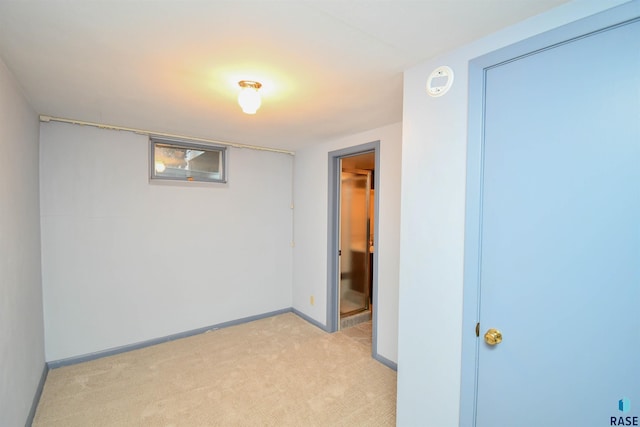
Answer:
(249, 100)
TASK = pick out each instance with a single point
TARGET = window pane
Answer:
(187, 162)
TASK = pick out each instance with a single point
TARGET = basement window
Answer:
(185, 161)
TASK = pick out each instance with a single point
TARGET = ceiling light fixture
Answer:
(249, 97)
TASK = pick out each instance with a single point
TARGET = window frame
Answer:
(186, 144)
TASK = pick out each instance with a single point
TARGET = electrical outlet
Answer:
(312, 300)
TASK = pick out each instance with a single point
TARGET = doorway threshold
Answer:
(355, 319)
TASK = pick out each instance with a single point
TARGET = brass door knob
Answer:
(493, 337)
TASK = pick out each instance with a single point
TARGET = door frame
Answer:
(333, 271)
(478, 67)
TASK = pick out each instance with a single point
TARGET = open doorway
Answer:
(356, 238)
(353, 226)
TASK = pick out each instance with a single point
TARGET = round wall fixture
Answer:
(440, 81)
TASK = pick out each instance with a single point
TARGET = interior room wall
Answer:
(310, 230)
(125, 260)
(432, 232)
(21, 325)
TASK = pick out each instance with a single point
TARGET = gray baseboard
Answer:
(310, 320)
(36, 397)
(117, 350)
(388, 363)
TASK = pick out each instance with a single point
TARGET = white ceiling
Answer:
(328, 68)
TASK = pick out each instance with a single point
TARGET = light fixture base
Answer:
(249, 84)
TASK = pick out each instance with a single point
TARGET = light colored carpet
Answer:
(279, 371)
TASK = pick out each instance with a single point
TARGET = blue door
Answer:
(558, 340)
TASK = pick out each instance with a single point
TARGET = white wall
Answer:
(311, 222)
(126, 261)
(433, 202)
(21, 327)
